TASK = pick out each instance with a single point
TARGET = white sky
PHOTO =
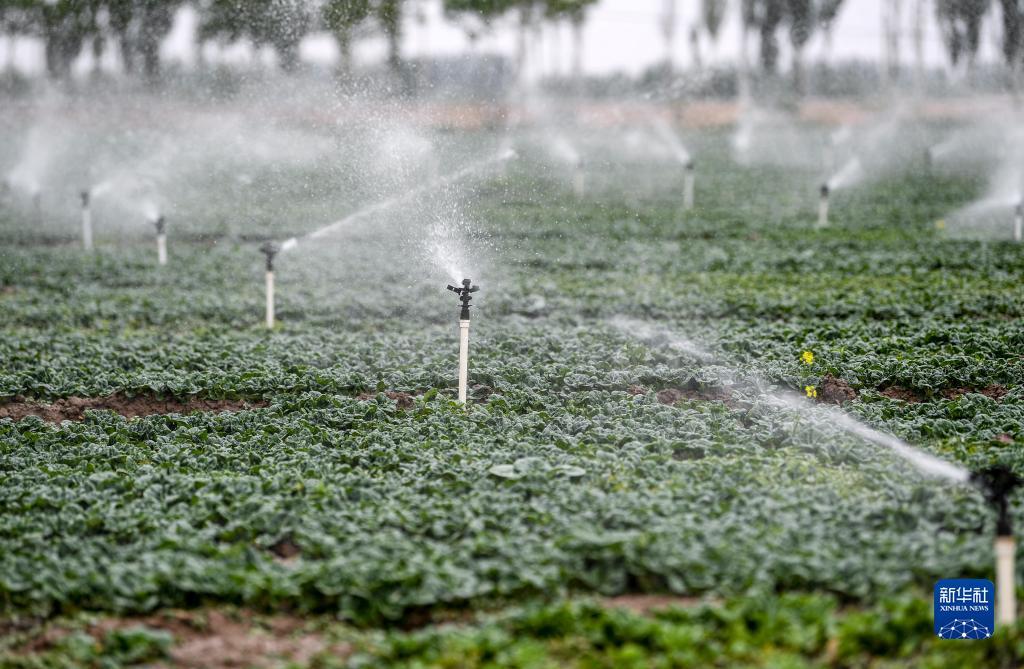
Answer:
(620, 36)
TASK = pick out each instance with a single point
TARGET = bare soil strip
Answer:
(74, 408)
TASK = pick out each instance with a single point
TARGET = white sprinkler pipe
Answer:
(270, 299)
(1006, 581)
(465, 294)
(823, 207)
(688, 185)
(463, 359)
(579, 182)
(86, 222)
(1018, 221)
(161, 248)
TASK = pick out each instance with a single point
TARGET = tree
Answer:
(342, 17)
(1013, 32)
(576, 12)
(389, 16)
(279, 23)
(828, 12)
(65, 25)
(801, 20)
(960, 22)
(713, 15)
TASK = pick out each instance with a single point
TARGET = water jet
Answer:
(270, 249)
(161, 239)
(823, 206)
(997, 483)
(465, 297)
(688, 185)
(86, 221)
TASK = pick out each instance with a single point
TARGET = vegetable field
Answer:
(624, 487)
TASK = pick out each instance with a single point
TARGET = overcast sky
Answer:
(620, 36)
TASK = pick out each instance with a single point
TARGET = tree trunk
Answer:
(799, 80)
(668, 31)
(577, 55)
(344, 39)
(918, 38)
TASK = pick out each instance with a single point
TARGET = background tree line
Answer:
(136, 28)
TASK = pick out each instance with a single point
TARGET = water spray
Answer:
(997, 483)
(270, 250)
(86, 221)
(1018, 220)
(823, 206)
(465, 296)
(161, 239)
(37, 205)
(688, 184)
(579, 182)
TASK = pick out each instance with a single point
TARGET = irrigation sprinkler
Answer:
(997, 483)
(1018, 220)
(270, 249)
(161, 239)
(579, 181)
(86, 221)
(465, 296)
(688, 183)
(823, 206)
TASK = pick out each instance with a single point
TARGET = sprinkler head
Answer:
(689, 166)
(825, 190)
(160, 224)
(1019, 209)
(465, 296)
(85, 198)
(997, 483)
(270, 249)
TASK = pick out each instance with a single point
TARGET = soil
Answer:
(901, 393)
(286, 551)
(672, 396)
(74, 408)
(403, 400)
(835, 391)
(994, 391)
(644, 604)
(215, 639)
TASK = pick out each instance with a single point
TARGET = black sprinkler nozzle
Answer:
(161, 224)
(825, 190)
(85, 198)
(270, 250)
(1020, 208)
(690, 165)
(465, 296)
(997, 483)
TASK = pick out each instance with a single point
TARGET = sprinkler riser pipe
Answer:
(86, 227)
(823, 206)
(688, 188)
(161, 248)
(579, 182)
(1018, 222)
(1006, 580)
(270, 299)
(463, 359)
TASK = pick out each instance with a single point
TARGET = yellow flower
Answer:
(811, 391)
(808, 358)
(940, 224)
